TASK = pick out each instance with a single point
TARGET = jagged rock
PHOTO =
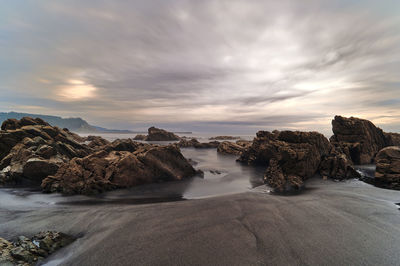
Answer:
(337, 165)
(228, 147)
(104, 170)
(157, 134)
(140, 137)
(360, 139)
(280, 181)
(29, 251)
(184, 142)
(224, 138)
(12, 124)
(244, 143)
(31, 152)
(298, 156)
(96, 142)
(387, 172)
(124, 145)
(392, 139)
(207, 145)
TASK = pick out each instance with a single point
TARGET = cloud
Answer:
(206, 62)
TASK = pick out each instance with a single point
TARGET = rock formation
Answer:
(360, 139)
(228, 147)
(387, 172)
(30, 150)
(140, 137)
(157, 134)
(186, 143)
(104, 170)
(224, 138)
(293, 156)
(29, 251)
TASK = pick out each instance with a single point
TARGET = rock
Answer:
(157, 134)
(96, 142)
(227, 147)
(360, 139)
(387, 172)
(140, 137)
(281, 182)
(297, 155)
(224, 138)
(244, 143)
(207, 145)
(104, 170)
(31, 152)
(185, 143)
(392, 139)
(337, 165)
(124, 145)
(12, 124)
(29, 251)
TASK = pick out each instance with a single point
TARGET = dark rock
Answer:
(140, 137)
(244, 143)
(227, 147)
(31, 152)
(157, 134)
(298, 156)
(96, 142)
(104, 171)
(12, 124)
(387, 172)
(29, 251)
(185, 143)
(360, 139)
(207, 145)
(224, 138)
(280, 181)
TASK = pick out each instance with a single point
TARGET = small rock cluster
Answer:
(28, 251)
(157, 134)
(387, 173)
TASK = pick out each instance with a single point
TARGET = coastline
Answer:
(330, 223)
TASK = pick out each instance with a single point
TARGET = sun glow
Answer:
(76, 90)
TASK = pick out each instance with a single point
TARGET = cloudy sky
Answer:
(220, 66)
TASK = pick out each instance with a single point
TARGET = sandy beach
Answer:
(331, 223)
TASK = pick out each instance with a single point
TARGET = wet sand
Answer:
(331, 223)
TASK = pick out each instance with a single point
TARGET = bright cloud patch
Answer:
(76, 90)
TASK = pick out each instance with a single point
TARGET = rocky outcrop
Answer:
(104, 170)
(387, 172)
(140, 137)
(224, 138)
(392, 139)
(12, 124)
(360, 139)
(31, 152)
(244, 143)
(30, 251)
(293, 156)
(157, 134)
(96, 142)
(281, 182)
(228, 147)
(337, 165)
(185, 142)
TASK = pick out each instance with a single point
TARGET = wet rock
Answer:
(207, 145)
(185, 143)
(296, 156)
(227, 147)
(32, 151)
(338, 166)
(140, 137)
(104, 170)
(280, 181)
(157, 134)
(29, 251)
(124, 145)
(96, 142)
(387, 172)
(224, 138)
(244, 143)
(360, 139)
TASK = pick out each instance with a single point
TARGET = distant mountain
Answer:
(73, 124)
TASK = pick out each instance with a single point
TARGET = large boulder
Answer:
(104, 170)
(360, 139)
(31, 152)
(30, 251)
(291, 157)
(157, 134)
(387, 172)
(12, 124)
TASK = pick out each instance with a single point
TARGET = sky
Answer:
(212, 66)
